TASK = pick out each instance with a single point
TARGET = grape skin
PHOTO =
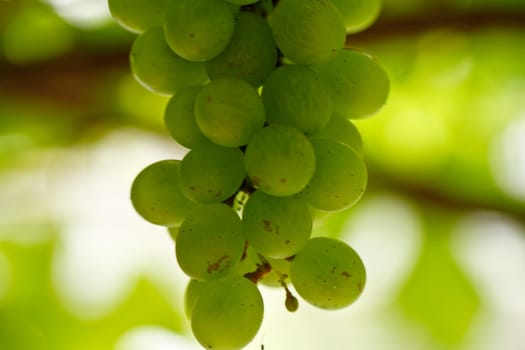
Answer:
(160, 70)
(308, 31)
(156, 195)
(137, 15)
(328, 273)
(227, 314)
(211, 173)
(279, 160)
(198, 30)
(210, 242)
(295, 95)
(229, 111)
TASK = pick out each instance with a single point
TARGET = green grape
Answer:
(358, 85)
(156, 194)
(192, 293)
(211, 174)
(279, 273)
(276, 227)
(308, 31)
(137, 15)
(229, 111)
(179, 118)
(341, 129)
(295, 95)
(210, 242)
(340, 176)
(173, 231)
(279, 160)
(358, 14)
(248, 262)
(227, 314)
(328, 273)
(198, 30)
(251, 54)
(158, 69)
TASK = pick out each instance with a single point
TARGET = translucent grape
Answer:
(328, 273)
(358, 85)
(280, 272)
(229, 111)
(192, 293)
(341, 129)
(276, 227)
(210, 242)
(358, 14)
(158, 69)
(137, 15)
(340, 176)
(179, 118)
(156, 194)
(227, 314)
(295, 95)
(211, 174)
(173, 231)
(279, 160)
(308, 31)
(198, 30)
(251, 54)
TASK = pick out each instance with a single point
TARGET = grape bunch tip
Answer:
(262, 93)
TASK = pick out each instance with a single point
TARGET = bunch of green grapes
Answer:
(261, 95)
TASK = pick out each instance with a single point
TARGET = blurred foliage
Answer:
(458, 85)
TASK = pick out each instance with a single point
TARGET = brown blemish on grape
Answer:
(282, 180)
(346, 275)
(209, 98)
(245, 251)
(192, 35)
(216, 266)
(360, 287)
(287, 241)
(277, 230)
(267, 225)
(255, 181)
(333, 270)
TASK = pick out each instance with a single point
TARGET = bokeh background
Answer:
(441, 228)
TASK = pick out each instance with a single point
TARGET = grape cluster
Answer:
(262, 93)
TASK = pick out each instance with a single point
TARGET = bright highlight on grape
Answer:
(261, 95)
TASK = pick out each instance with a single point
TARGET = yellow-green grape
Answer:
(179, 118)
(137, 15)
(251, 54)
(358, 84)
(279, 160)
(173, 231)
(358, 14)
(308, 31)
(160, 70)
(211, 174)
(341, 129)
(280, 273)
(276, 227)
(229, 111)
(192, 293)
(210, 242)
(156, 194)
(295, 95)
(340, 177)
(198, 30)
(328, 273)
(227, 314)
